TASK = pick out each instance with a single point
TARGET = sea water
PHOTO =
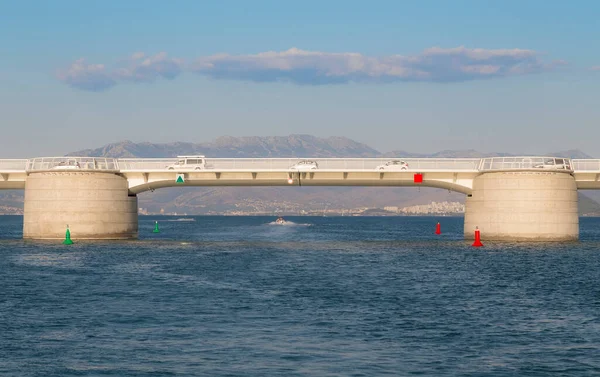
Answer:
(325, 296)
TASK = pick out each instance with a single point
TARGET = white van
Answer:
(189, 163)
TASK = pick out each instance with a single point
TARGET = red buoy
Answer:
(438, 229)
(477, 242)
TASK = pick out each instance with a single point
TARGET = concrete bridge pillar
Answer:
(523, 205)
(95, 205)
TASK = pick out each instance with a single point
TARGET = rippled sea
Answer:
(326, 296)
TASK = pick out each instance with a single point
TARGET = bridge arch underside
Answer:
(458, 182)
(12, 180)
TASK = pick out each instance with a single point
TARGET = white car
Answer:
(305, 165)
(393, 165)
(67, 165)
(556, 163)
(188, 163)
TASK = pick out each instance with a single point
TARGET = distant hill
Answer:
(11, 202)
(281, 146)
(588, 206)
(571, 153)
(469, 153)
(201, 200)
(228, 146)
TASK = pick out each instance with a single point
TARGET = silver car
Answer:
(393, 165)
(305, 165)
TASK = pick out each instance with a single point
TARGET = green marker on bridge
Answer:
(180, 178)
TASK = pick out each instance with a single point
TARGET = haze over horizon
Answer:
(419, 76)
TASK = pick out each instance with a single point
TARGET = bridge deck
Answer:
(437, 164)
(326, 171)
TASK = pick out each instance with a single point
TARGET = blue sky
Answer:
(421, 76)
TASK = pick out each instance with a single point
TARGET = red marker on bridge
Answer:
(477, 242)
(438, 229)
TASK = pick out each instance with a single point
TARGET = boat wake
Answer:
(286, 223)
(183, 219)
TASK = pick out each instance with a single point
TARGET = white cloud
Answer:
(87, 76)
(316, 68)
(310, 67)
(138, 68)
(142, 68)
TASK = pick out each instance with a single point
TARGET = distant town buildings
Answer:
(433, 208)
(8, 210)
(258, 207)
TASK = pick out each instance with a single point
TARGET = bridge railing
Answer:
(441, 163)
(13, 164)
(145, 163)
(525, 162)
(586, 165)
(364, 164)
(72, 163)
(341, 163)
(289, 163)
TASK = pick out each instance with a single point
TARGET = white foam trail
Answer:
(287, 223)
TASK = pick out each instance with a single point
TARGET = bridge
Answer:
(508, 198)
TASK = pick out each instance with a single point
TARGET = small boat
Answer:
(280, 221)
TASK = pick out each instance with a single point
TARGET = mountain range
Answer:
(228, 146)
(202, 200)
(280, 146)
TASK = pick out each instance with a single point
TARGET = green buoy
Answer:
(67, 240)
(155, 228)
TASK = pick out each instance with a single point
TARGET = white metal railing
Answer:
(289, 163)
(146, 163)
(525, 163)
(364, 164)
(441, 163)
(69, 163)
(13, 164)
(586, 165)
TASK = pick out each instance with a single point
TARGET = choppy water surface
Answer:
(237, 296)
